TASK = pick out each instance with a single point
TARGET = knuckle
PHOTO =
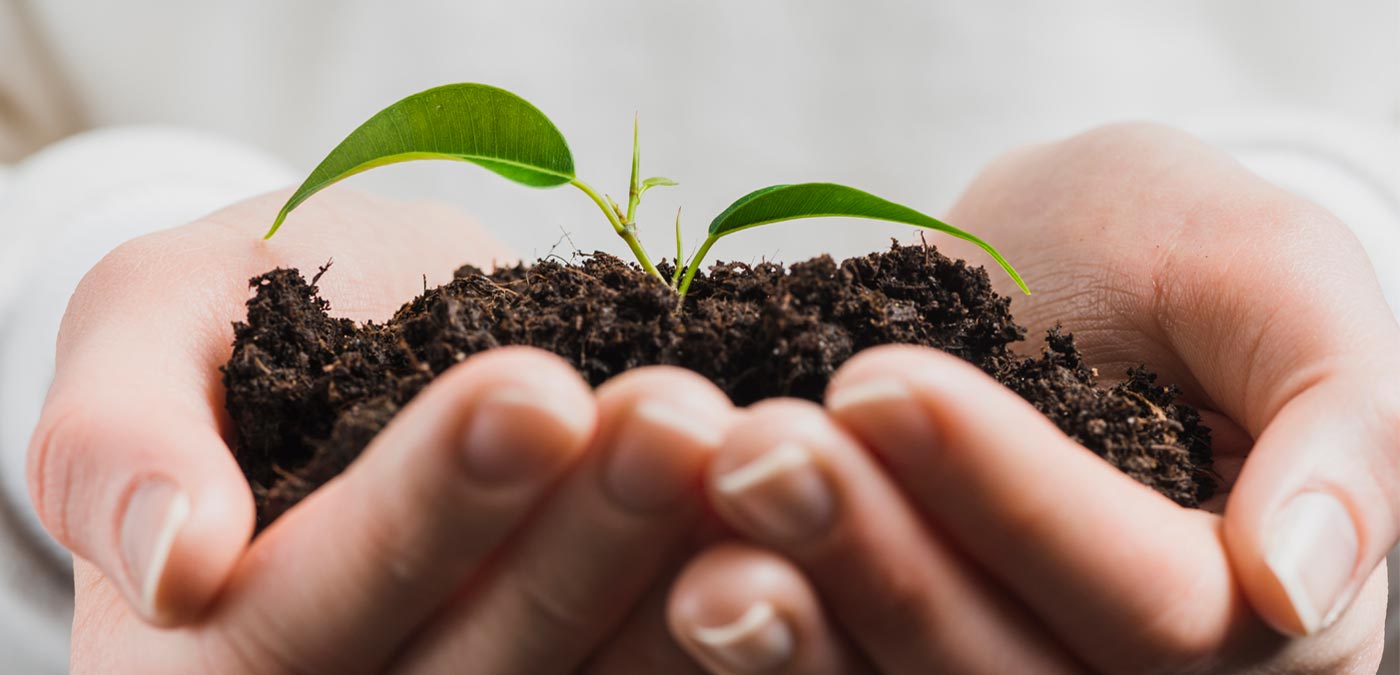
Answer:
(126, 268)
(779, 413)
(521, 359)
(678, 385)
(1120, 155)
(50, 467)
(387, 552)
(514, 364)
(150, 261)
(1169, 636)
(659, 378)
(897, 604)
(122, 263)
(1172, 646)
(891, 359)
(1131, 135)
(554, 609)
(1386, 402)
(1291, 226)
(249, 647)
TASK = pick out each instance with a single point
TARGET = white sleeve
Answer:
(61, 210)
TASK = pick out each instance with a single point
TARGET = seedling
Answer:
(503, 133)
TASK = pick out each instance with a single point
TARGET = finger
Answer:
(1247, 296)
(599, 542)
(128, 470)
(790, 479)
(341, 580)
(1317, 506)
(1313, 375)
(643, 644)
(741, 610)
(108, 637)
(1074, 538)
(128, 467)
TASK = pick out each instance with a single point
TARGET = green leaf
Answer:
(655, 181)
(658, 181)
(811, 200)
(476, 123)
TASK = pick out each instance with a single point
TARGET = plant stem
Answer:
(634, 192)
(680, 252)
(694, 266)
(627, 233)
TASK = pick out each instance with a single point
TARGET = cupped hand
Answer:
(509, 520)
(942, 524)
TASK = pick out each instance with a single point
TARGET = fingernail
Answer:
(519, 433)
(657, 455)
(155, 512)
(877, 392)
(758, 641)
(782, 493)
(1312, 551)
(883, 411)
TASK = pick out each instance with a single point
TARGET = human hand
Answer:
(990, 542)
(508, 520)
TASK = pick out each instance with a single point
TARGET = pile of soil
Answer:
(307, 392)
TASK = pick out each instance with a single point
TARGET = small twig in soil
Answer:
(288, 476)
(483, 281)
(501, 288)
(572, 255)
(576, 250)
(413, 358)
(322, 271)
(1153, 407)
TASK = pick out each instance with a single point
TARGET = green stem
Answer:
(680, 252)
(634, 193)
(628, 234)
(695, 264)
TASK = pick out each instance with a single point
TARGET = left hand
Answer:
(508, 520)
(947, 526)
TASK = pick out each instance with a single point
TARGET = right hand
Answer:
(579, 501)
(934, 512)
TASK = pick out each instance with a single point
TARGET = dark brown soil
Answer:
(307, 392)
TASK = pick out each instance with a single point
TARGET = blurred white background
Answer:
(906, 99)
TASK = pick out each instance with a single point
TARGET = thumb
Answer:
(1317, 505)
(134, 483)
(127, 467)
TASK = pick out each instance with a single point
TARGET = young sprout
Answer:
(503, 133)
(680, 252)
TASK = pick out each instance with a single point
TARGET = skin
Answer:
(419, 558)
(959, 518)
